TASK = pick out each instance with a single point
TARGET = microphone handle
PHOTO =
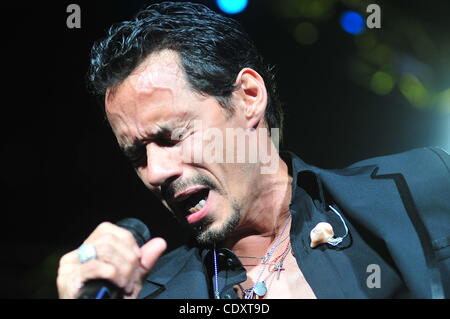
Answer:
(100, 289)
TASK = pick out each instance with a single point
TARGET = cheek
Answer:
(192, 149)
(240, 181)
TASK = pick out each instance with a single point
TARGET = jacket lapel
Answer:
(169, 266)
(371, 198)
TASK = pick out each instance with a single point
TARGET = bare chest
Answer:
(286, 282)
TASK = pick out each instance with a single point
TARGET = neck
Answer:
(266, 216)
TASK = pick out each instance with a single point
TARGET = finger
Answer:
(151, 252)
(69, 258)
(68, 281)
(112, 250)
(71, 277)
(130, 288)
(96, 269)
(107, 228)
(135, 292)
(122, 266)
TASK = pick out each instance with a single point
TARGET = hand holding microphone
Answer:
(110, 262)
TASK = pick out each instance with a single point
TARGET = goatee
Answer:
(207, 237)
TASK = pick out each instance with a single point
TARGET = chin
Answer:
(207, 234)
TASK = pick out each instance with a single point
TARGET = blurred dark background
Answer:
(347, 97)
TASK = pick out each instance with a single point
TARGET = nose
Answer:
(163, 164)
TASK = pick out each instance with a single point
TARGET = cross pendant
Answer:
(279, 267)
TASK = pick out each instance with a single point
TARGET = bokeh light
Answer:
(413, 90)
(382, 83)
(306, 33)
(232, 6)
(352, 22)
(444, 102)
(366, 41)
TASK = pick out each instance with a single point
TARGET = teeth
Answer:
(197, 207)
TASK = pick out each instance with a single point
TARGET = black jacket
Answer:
(397, 209)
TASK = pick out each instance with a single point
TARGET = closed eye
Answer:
(175, 137)
(166, 142)
(137, 155)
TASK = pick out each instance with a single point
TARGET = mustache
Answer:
(177, 186)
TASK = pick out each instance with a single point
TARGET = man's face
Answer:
(155, 116)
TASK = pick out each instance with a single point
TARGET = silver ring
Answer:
(86, 252)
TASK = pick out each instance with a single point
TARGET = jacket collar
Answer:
(314, 180)
(162, 273)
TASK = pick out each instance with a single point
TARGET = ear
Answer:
(252, 96)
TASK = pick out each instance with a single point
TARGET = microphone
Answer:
(102, 288)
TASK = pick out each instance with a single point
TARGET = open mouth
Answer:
(193, 203)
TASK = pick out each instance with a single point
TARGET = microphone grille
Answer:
(139, 230)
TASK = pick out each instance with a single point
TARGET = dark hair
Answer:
(213, 50)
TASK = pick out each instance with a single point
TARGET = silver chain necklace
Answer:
(216, 277)
(259, 288)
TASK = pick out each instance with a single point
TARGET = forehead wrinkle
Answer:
(160, 70)
(145, 123)
(130, 110)
(147, 97)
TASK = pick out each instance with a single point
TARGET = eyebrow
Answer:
(162, 133)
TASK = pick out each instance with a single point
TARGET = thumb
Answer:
(151, 252)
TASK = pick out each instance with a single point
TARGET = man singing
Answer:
(184, 88)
